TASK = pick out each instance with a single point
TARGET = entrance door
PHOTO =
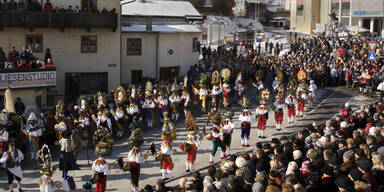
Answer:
(77, 84)
(136, 76)
(169, 73)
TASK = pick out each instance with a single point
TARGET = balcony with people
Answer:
(31, 14)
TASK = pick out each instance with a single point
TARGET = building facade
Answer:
(158, 42)
(368, 14)
(85, 46)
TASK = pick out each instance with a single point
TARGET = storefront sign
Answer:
(367, 8)
(29, 79)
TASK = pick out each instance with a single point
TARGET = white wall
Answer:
(108, 4)
(181, 43)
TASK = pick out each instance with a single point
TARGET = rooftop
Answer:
(162, 28)
(157, 8)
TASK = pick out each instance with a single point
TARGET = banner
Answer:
(367, 8)
(29, 79)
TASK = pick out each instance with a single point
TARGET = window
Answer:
(88, 5)
(137, 76)
(35, 42)
(300, 7)
(345, 7)
(88, 44)
(196, 45)
(133, 46)
(335, 7)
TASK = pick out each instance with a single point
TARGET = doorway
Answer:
(169, 73)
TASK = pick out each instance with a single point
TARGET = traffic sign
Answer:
(371, 56)
(372, 45)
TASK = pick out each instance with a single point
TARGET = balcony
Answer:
(57, 20)
(28, 79)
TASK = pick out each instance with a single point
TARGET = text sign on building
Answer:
(29, 79)
(367, 8)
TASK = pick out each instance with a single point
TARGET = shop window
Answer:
(35, 42)
(134, 46)
(196, 44)
(89, 44)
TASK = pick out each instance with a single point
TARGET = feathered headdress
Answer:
(215, 77)
(244, 102)
(137, 138)
(225, 74)
(8, 101)
(119, 95)
(83, 103)
(190, 123)
(148, 89)
(45, 160)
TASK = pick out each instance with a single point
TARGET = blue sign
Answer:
(170, 51)
(371, 56)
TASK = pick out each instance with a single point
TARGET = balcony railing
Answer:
(57, 20)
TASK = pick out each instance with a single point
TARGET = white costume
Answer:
(312, 94)
(13, 166)
(46, 184)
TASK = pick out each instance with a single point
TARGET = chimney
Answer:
(149, 24)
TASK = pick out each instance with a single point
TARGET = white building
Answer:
(158, 39)
(85, 48)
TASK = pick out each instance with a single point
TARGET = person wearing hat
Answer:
(345, 112)
(348, 161)
(246, 118)
(46, 183)
(228, 126)
(11, 162)
(262, 117)
(87, 187)
(60, 127)
(66, 155)
(190, 147)
(149, 106)
(34, 132)
(135, 159)
(365, 167)
(226, 92)
(311, 94)
(239, 87)
(344, 184)
(119, 118)
(301, 97)
(290, 101)
(100, 167)
(83, 125)
(217, 137)
(185, 100)
(279, 105)
(162, 105)
(175, 101)
(166, 163)
(274, 181)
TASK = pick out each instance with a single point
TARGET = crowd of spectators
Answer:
(36, 6)
(24, 59)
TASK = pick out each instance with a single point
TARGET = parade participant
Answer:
(83, 104)
(100, 100)
(103, 121)
(46, 183)
(83, 125)
(216, 94)
(290, 101)
(149, 105)
(203, 93)
(279, 113)
(185, 99)
(119, 117)
(216, 136)
(228, 126)
(135, 158)
(239, 87)
(345, 112)
(192, 143)
(3, 139)
(175, 101)
(119, 96)
(196, 95)
(312, 94)
(166, 152)
(100, 168)
(301, 97)
(3, 131)
(11, 162)
(162, 104)
(262, 116)
(66, 155)
(226, 74)
(103, 141)
(34, 132)
(246, 119)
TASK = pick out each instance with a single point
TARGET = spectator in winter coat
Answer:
(13, 55)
